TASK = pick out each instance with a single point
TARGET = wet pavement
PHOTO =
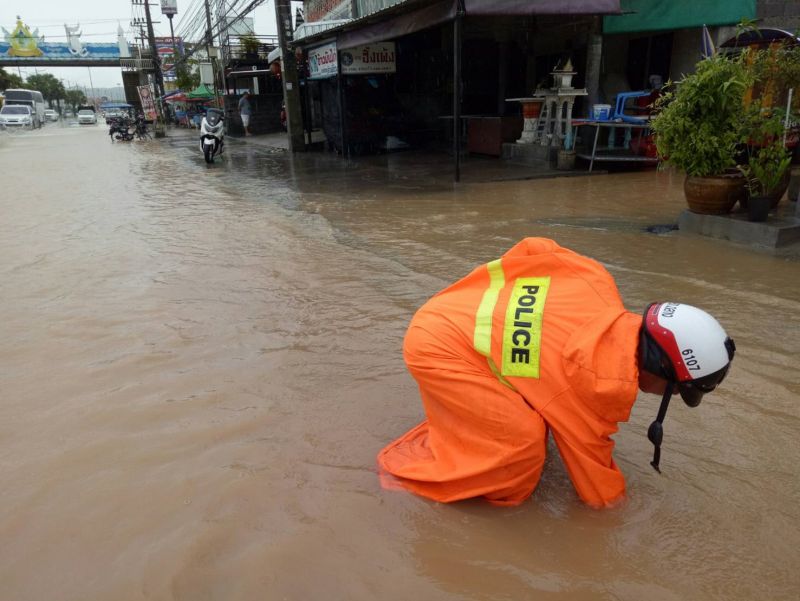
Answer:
(199, 363)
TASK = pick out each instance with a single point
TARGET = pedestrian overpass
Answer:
(22, 47)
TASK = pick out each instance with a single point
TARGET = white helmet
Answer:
(689, 349)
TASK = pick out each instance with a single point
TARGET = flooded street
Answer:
(199, 364)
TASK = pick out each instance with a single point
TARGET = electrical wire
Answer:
(221, 25)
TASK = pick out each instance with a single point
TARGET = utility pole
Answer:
(151, 36)
(209, 44)
(91, 83)
(291, 87)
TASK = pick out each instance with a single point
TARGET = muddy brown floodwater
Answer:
(198, 366)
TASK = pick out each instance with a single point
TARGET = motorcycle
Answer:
(119, 128)
(140, 129)
(126, 128)
(212, 134)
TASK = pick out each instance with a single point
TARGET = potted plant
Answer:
(250, 45)
(766, 173)
(698, 127)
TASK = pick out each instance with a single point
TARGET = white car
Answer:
(16, 115)
(51, 115)
(87, 116)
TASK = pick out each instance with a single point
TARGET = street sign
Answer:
(169, 7)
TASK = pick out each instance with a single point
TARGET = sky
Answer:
(99, 20)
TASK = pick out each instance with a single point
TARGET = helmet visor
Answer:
(692, 391)
(690, 395)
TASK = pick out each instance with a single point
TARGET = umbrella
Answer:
(177, 97)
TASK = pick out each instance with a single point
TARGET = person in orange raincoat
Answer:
(533, 342)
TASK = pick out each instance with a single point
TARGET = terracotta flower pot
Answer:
(714, 195)
(532, 110)
(777, 194)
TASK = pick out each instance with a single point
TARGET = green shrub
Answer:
(700, 121)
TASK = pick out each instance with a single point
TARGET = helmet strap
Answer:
(655, 433)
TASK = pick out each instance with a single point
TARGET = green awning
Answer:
(655, 15)
(200, 92)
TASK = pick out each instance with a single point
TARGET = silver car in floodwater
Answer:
(16, 115)
(87, 116)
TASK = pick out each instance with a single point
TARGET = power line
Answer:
(61, 22)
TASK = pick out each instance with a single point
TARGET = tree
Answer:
(74, 98)
(51, 87)
(187, 78)
(10, 80)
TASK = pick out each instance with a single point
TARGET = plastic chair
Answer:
(619, 107)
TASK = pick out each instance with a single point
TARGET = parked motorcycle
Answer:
(119, 128)
(212, 132)
(125, 128)
(140, 129)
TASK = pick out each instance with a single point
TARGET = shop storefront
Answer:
(491, 50)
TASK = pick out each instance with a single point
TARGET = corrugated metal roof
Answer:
(309, 29)
(369, 7)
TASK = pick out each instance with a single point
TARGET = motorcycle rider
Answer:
(212, 128)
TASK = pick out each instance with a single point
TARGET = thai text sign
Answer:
(166, 54)
(372, 58)
(148, 106)
(322, 61)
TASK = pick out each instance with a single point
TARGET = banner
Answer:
(322, 61)
(167, 55)
(148, 106)
(372, 58)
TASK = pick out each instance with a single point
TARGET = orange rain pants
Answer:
(535, 341)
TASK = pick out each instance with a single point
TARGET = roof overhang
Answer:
(414, 15)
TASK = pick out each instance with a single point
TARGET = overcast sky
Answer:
(98, 20)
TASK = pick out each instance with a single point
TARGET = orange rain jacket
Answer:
(533, 341)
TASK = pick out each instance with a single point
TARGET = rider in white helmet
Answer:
(681, 349)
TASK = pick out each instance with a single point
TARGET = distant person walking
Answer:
(245, 110)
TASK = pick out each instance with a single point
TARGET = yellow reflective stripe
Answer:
(522, 331)
(482, 339)
(496, 372)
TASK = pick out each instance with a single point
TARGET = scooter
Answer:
(212, 132)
